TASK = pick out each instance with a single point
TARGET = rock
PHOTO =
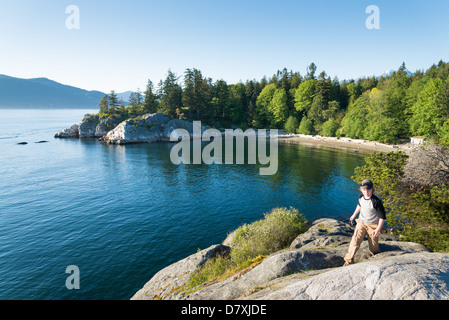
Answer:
(112, 129)
(88, 125)
(166, 281)
(274, 267)
(42, 141)
(91, 127)
(22, 143)
(323, 233)
(101, 129)
(417, 276)
(229, 238)
(313, 261)
(147, 128)
(72, 132)
(177, 124)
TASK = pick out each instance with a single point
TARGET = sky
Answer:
(120, 45)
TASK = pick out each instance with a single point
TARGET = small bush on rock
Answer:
(251, 243)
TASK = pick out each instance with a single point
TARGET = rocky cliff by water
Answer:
(312, 269)
(111, 130)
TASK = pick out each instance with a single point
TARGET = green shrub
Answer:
(251, 243)
(273, 233)
(305, 127)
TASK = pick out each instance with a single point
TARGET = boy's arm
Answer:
(356, 212)
(382, 216)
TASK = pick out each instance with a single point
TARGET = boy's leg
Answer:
(373, 242)
(357, 238)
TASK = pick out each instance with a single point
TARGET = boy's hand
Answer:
(376, 233)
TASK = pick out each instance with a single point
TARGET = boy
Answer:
(372, 217)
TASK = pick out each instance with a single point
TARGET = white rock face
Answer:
(415, 276)
(147, 128)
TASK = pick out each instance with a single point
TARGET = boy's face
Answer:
(367, 193)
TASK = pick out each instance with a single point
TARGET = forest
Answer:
(390, 108)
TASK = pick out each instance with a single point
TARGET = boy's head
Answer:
(367, 188)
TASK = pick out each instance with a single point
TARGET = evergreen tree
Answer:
(150, 103)
(104, 108)
(320, 99)
(171, 95)
(188, 93)
(113, 102)
(237, 103)
(133, 104)
(221, 103)
(197, 96)
(354, 92)
(311, 69)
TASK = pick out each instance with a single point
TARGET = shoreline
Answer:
(345, 143)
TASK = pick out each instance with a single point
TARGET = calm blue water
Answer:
(121, 213)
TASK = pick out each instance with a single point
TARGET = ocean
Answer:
(119, 214)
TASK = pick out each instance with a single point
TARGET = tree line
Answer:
(385, 109)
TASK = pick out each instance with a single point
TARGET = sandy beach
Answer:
(355, 145)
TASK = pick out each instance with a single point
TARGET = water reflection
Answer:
(308, 178)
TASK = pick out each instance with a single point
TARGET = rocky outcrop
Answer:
(90, 127)
(72, 132)
(112, 130)
(311, 268)
(147, 128)
(414, 276)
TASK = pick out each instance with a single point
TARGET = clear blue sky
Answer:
(122, 44)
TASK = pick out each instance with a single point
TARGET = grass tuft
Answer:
(251, 244)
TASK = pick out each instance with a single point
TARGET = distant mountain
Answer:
(124, 96)
(44, 93)
(390, 72)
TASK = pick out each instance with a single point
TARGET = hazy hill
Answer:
(44, 93)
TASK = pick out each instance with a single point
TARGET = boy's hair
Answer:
(367, 184)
